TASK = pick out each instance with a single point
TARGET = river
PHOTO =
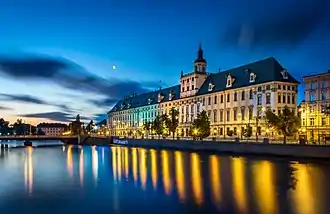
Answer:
(72, 179)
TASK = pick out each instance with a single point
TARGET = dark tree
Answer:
(201, 126)
(172, 122)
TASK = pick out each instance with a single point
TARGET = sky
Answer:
(57, 57)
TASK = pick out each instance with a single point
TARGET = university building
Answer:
(314, 110)
(232, 99)
(52, 129)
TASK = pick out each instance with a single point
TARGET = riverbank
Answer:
(300, 151)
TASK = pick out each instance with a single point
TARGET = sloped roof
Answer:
(266, 70)
(143, 99)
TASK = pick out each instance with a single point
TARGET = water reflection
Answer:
(263, 172)
(28, 170)
(239, 185)
(180, 176)
(167, 177)
(215, 180)
(184, 182)
(196, 178)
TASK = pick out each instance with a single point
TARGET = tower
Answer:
(200, 62)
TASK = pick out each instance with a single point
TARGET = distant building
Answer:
(314, 110)
(52, 129)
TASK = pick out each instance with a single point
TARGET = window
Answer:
(312, 97)
(192, 79)
(221, 115)
(323, 121)
(228, 115)
(242, 113)
(228, 97)
(259, 99)
(259, 88)
(209, 101)
(293, 98)
(203, 101)
(215, 116)
(235, 114)
(182, 89)
(289, 88)
(211, 86)
(221, 131)
(221, 98)
(235, 96)
(228, 82)
(284, 98)
(267, 98)
(311, 121)
(279, 87)
(268, 87)
(323, 95)
(278, 111)
(250, 113)
(293, 88)
(192, 87)
(187, 88)
(198, 108)
(303, 122)
(243, 95)
(215, 99)
(252, 77)
(279, 98)
(285, 74)
(289, 99)
(251, 95)
(313, 86)
(192, 108)
(284, 87)
(324, 83)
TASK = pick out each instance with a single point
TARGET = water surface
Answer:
(136, 180)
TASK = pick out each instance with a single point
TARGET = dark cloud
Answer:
(70, 75)
(104, 102)
(277, 23)
(5, 108)
(56, 116)
(34, 100)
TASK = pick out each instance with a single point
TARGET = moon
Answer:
(114, 67)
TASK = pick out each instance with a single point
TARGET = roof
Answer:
(149, 98)
(318, 74)
(266, 70)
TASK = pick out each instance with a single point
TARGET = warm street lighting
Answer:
(195, 131)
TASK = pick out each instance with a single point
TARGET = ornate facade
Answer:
(314, 110)
(232, 99)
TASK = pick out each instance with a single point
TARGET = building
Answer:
(232, 99)
(314, 110)
(52, 129)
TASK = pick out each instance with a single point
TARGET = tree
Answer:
(4, 127)
(147, 125)
(158, 125)
(40, 132)
(76, 126)
(19, 127)
(90, 126)
(201, 126)
(247, 131)
(172, 122)
(286, 122)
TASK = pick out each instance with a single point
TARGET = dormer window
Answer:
(160, 97)
(252, 77)
(122, 106)
(129, 105)
(230, 81)
(149, 101)
(171, 95)
(284, 74)
(211, 86)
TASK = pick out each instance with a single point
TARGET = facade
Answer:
(52, 129)
(232, 99)
(315, 122)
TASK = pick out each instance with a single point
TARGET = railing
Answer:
(34, 136)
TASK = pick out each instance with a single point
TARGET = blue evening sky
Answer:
(147, 41)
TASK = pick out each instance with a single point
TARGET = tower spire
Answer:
(200, 51)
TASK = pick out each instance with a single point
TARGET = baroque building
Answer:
(232, 99)
(314, 109)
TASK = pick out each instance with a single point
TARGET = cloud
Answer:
(292, 23)
(33, 100)
(5, 108)
(69, 75)
(56, 116)
(104, 102)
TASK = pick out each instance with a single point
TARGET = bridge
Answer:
(38, 137)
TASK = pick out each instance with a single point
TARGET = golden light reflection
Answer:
(134, 165)
(114, 163)
(28, 170)
(95, 162)
(119, 166)
(143, 167)
(215, 179)
(81, 166)
(263, 174)
(126, 164)
(154, 176)
(180, 176)
(69, 161)
(167, 178)
(196, 179)
(239, 184)
(305, 195)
